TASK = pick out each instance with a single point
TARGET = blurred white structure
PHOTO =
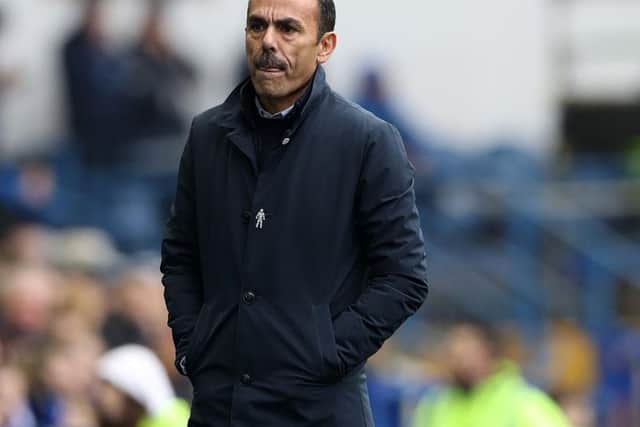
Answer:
(599, 49)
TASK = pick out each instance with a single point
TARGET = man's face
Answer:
(469, 357)
(282, 45)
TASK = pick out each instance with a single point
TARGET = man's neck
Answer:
(275, 106)
(267, 115)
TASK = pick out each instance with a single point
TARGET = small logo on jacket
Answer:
(260, 218)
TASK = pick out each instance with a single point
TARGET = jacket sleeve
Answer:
(180, 265)
(392, 242)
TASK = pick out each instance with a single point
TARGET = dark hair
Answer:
(327, 21)
(486, 331)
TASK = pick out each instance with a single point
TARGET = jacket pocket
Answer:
(194, 350)
(326, 341)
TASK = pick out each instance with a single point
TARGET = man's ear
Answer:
(327, 44)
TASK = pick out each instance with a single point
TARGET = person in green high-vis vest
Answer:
(485, 390)
(175, 414)
(134, 391)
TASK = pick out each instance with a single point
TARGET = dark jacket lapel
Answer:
(237, 114)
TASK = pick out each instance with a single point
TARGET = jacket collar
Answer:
(237, 115)
(237, 110)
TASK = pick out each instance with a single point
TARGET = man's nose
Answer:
(269, 40)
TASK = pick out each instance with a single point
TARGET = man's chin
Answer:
(268, 89)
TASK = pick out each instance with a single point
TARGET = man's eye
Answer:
(256, 26)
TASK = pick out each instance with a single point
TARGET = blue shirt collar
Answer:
(267, 115)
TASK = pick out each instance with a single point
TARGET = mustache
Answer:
(268, 59)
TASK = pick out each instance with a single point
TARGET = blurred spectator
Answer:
(127, 125)
(61, 375)
(394, 379)
(84, 251)
(579, 409)
(80, 414)
(81, 308)
(27, 300)
(571, 371)
(125, 116)
(23, 242)
(14, 403)
(374, 97)
(139, 316)
(620, 367)
(29, 188)
(94, 78)
(139, 297)
(484, 390)
(155, 78)
(135, 391)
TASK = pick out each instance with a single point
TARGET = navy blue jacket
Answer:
(281, 282)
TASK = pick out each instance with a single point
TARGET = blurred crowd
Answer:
(61, 314)
(83, 335)
(124, 127)
(84, 342)
(120, 100)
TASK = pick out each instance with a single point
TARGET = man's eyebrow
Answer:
(290, 22)
(256, 18)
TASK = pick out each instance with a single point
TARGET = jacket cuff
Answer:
(181, 365)
(353, 343)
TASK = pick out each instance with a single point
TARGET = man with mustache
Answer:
(294, 248)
